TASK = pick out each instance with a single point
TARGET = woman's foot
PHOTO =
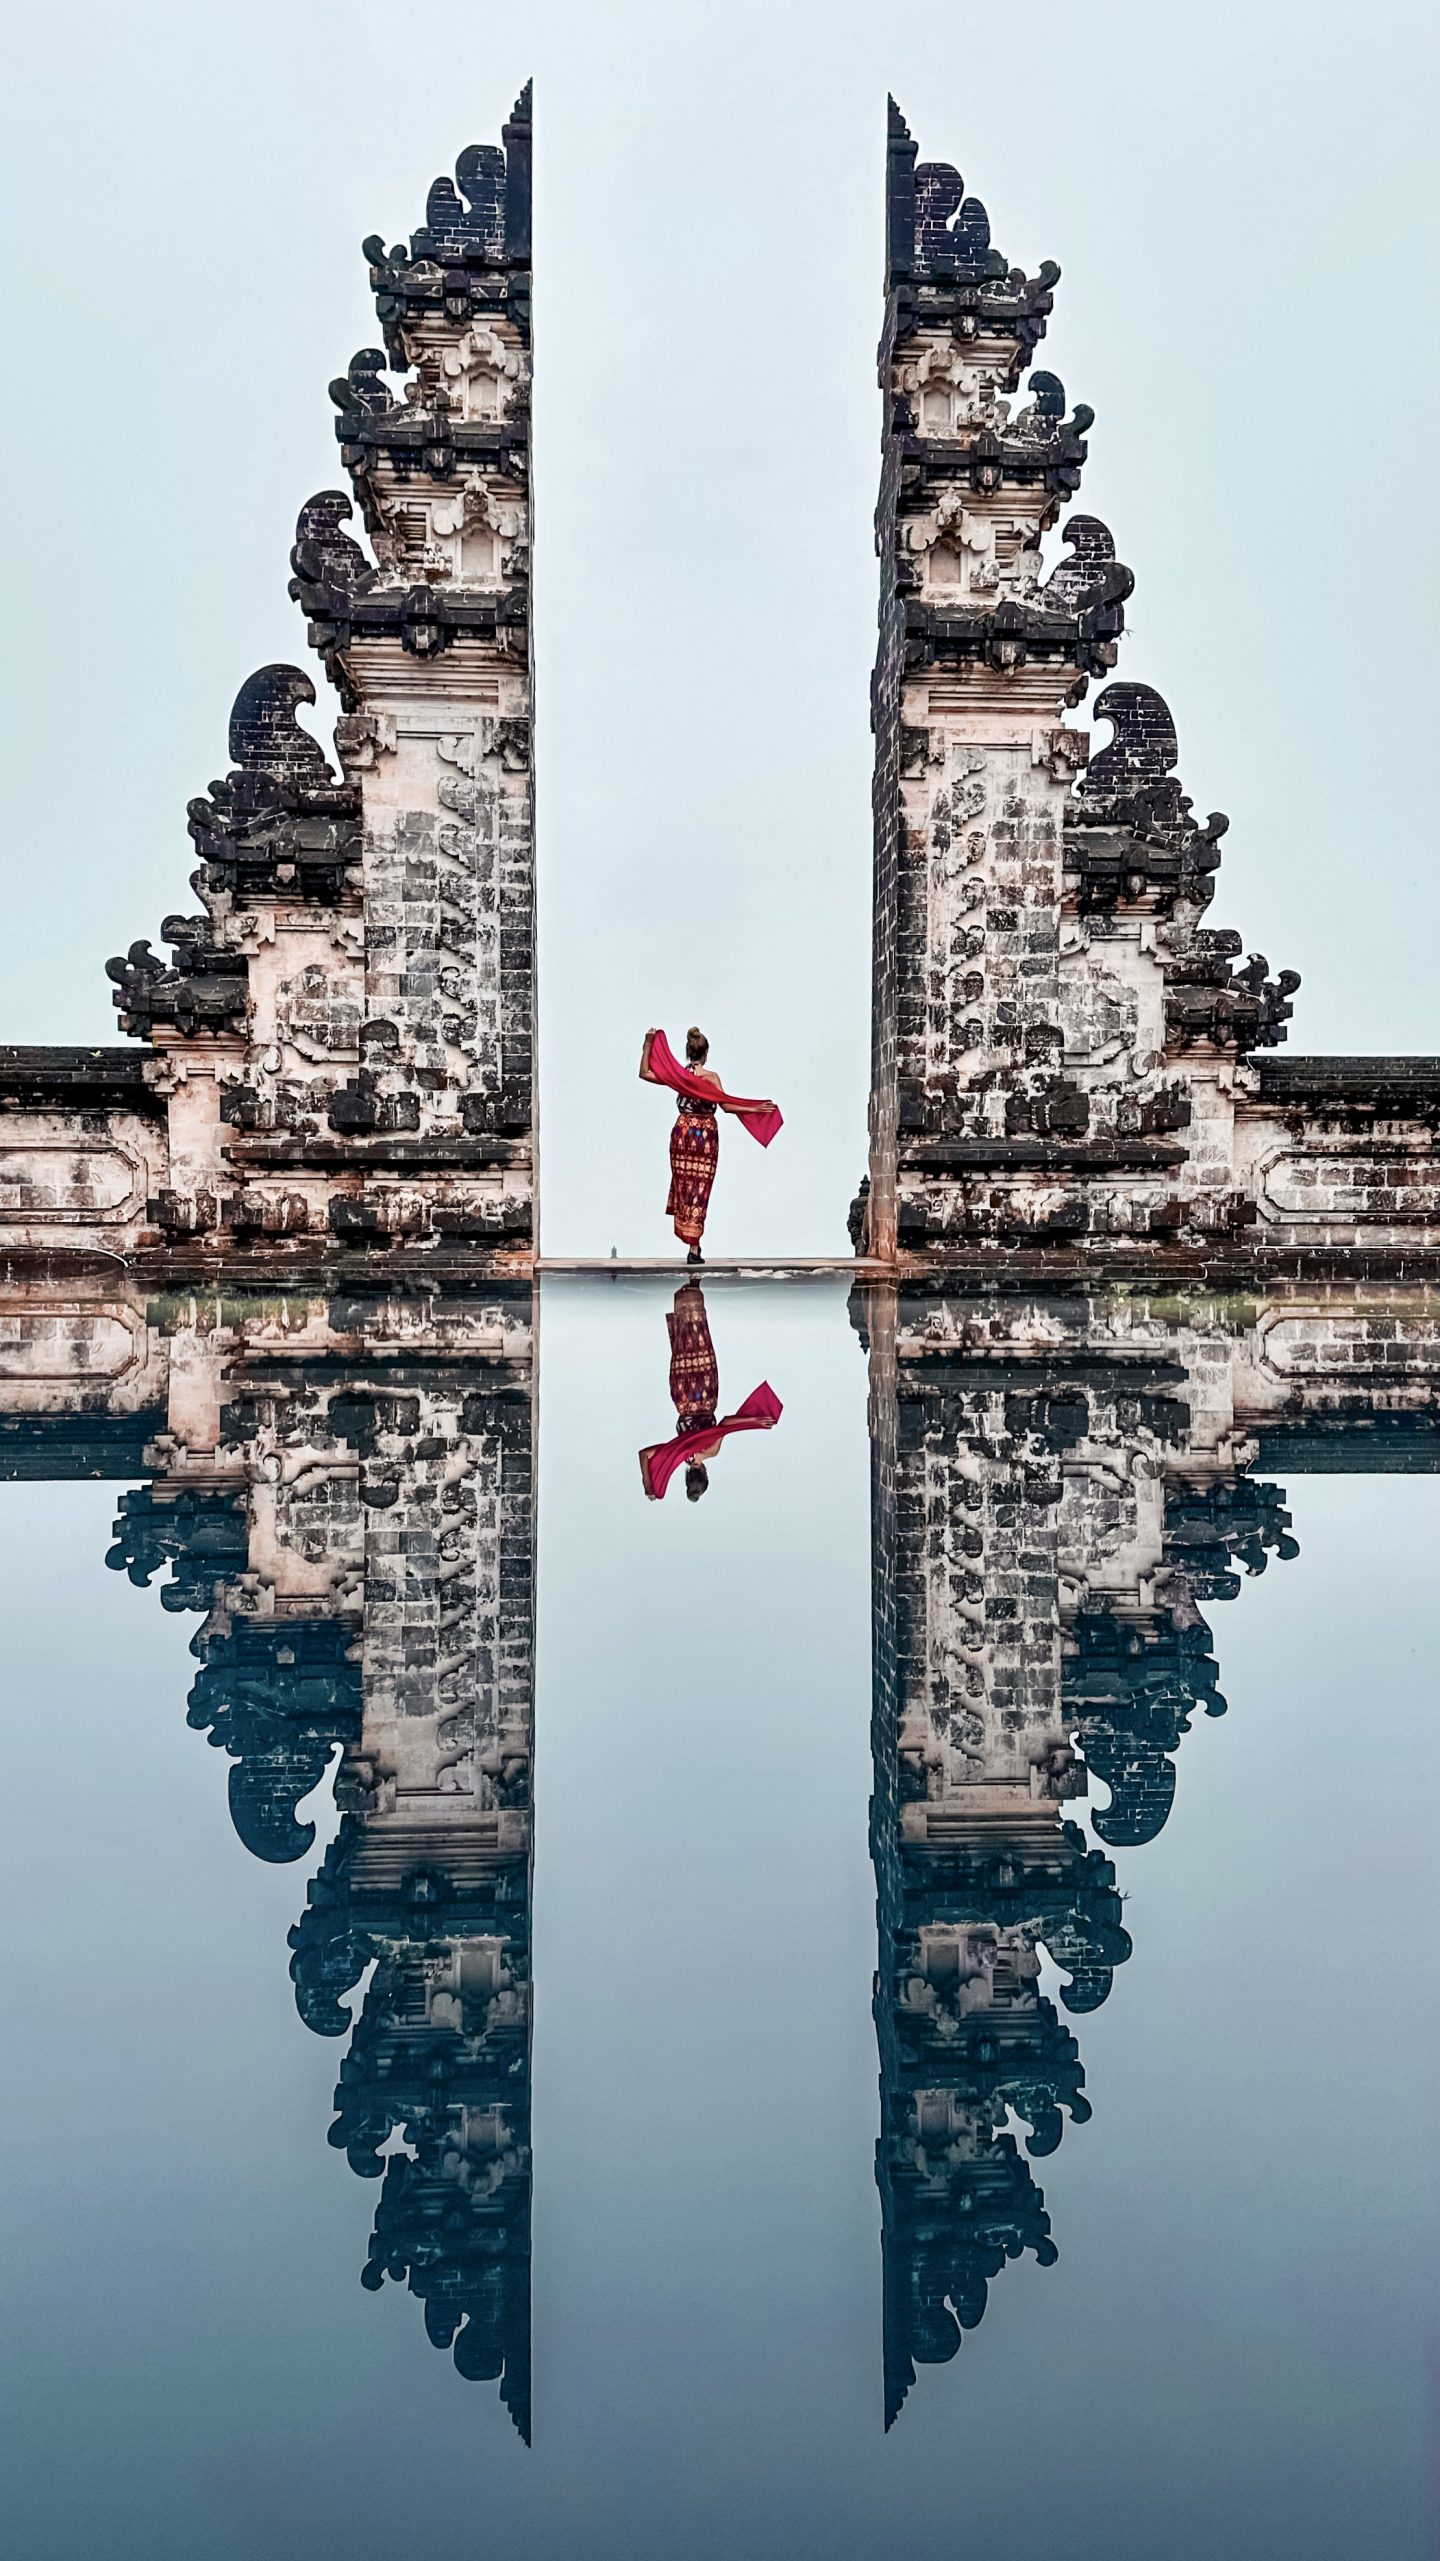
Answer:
(694, 1255)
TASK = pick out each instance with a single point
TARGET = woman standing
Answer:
(695, 1137)
(694, 1149)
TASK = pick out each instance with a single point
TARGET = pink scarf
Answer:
(660, 1066)
(760, 1412)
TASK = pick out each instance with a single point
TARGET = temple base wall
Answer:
(1322, 1169)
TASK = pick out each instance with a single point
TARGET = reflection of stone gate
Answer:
(1060, 1487)
(345, 1489)
(1065, 1057)
(340, 1047)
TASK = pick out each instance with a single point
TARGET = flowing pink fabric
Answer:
(760, 1412)
(660, 1066)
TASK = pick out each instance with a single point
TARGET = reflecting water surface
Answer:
(813, 2026)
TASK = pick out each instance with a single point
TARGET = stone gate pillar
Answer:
(343, 1045)
(431, 653)
(1058, 1044)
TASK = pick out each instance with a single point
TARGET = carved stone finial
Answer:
(359, 392)
(1131, 830)
(265, 736)
(1144, 747)
(1092, 574)
(324, 556)
(952, 230)
(456, 229)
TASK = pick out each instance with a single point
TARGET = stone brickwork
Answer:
(344, 1491)
(340, 1046)
(1062, 1487)
(84, 1150)
(1064, 1053)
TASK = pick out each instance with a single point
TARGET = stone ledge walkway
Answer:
(748, 1267)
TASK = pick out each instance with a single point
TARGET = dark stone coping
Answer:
(349, 1155)
(1371, 1083)
(949, 454)
(487, 1375)
(404, 431)
(1038, 1155)
(922, 1366)
(323, 1262)
(75, 1080)
(381, 612)
(41, 1448)
(1350, 1445)
(1033, 625)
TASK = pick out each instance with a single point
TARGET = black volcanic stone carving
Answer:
(277, 1696)
(952, 230)
(338, 591)
(465, 222)
(473, 249)
(940, 254)
(199, 1534)
(1131, 1693)
(201, 990)
(324, 557)
(1092, 579)
(359, 393)
(942, 2248)
(1131, 829)
(453, 2227)
(1207, 999)
(281, 818)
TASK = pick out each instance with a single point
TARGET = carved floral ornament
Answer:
(485, 365)
(952, 388)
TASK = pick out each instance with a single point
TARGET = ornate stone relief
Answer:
(1061, 1047)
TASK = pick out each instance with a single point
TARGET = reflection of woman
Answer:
(695, 1393)
(695, 1137)
(694, 1377)
(694, 1153)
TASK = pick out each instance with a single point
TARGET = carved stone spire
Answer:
(1060, 1044)
(344, 1038)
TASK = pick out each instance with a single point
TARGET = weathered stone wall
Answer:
(1064, 1052)
(83, 1150)
(431, 651)
(898, 930)
(340, 1046)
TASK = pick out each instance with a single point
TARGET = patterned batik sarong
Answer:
(694, 1370)
(694, 1155)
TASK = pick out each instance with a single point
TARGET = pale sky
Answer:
(1240, 201)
